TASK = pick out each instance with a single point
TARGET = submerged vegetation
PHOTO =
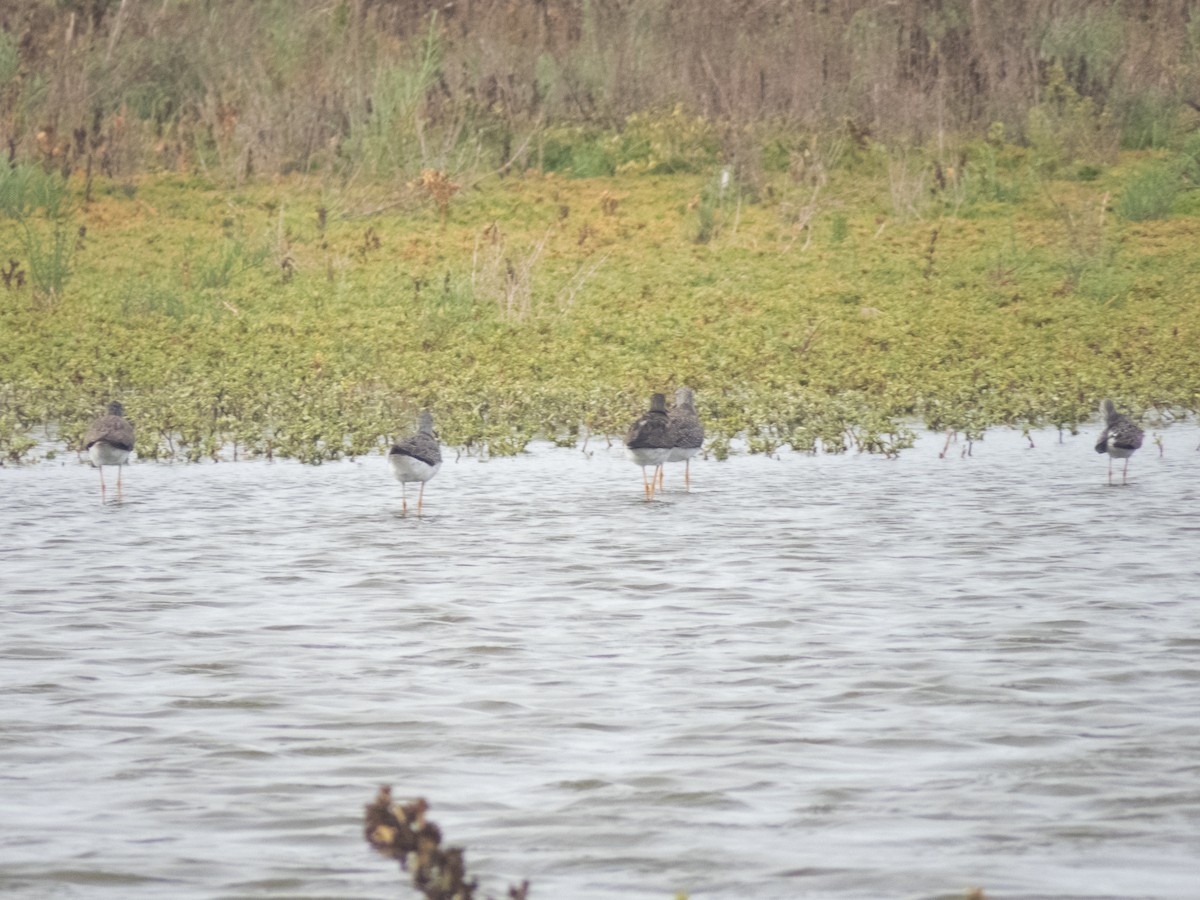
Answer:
(273, 262)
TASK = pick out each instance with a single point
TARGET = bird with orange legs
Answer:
(649, 441)
(416, 458)
(109, 441)
(686, 431)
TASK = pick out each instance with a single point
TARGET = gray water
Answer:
(831, 676)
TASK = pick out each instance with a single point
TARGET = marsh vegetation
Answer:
(281, 232)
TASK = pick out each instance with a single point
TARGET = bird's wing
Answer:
(652, 430)
(633, 436)
(1127, 436)
(420, 447)
(112, 430)
(686, 430)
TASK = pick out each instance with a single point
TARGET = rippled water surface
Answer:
(808, 676)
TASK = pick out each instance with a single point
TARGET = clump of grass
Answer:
(839, 228)
(1150, 193)
(714, 204)
(50, 254)
(212, 272)
(502, 277)
(908, 186)
(43, 206)
(27, 190)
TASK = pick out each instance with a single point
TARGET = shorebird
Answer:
(108, 442)
(1119, 438)
(649, 441)
(416, 458)
(686, 432)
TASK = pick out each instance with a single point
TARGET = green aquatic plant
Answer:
(15, 443)
(550, 308)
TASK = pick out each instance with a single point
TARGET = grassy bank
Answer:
(825, 309)
(247, 88)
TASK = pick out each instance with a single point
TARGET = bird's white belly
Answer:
(1119, 452)
(102, 454)
(649, 456)
(681, 454)
(408, 468)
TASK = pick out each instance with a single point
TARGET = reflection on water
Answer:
(821, 676)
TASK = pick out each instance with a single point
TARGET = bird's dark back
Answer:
(687, 431)
(113, 429)
(423, 445)
(652, 430)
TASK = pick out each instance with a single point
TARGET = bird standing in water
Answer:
(649, 441)
(687, 432)
(108, 442)
(1119, 439)
(416, 458)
